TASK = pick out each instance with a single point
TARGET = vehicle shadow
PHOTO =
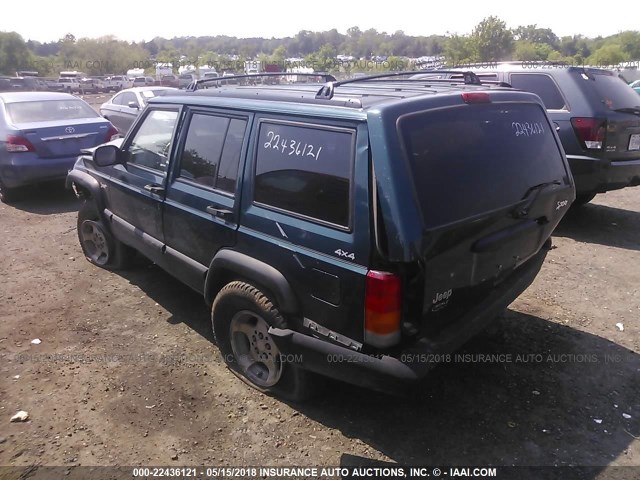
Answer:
(526, 391)
(47, 199)
(542, 395)
(183, 304)
(610, 226)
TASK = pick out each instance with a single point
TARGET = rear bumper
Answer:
(21, 169)
(393, 373)
(595, 175)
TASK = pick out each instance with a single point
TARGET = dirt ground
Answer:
(127, 372)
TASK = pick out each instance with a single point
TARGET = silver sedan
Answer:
(123, 108)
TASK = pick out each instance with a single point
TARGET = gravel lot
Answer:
(127, 373)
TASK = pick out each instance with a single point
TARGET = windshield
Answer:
(614, 92)
(49, 110)
(492, 153)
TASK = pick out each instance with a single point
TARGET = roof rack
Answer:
(194, 85)
(468, 78)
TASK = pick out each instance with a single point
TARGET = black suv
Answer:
(596, 114)
(353, 229)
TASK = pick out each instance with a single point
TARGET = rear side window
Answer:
(49, 110)
(306, 170)
(211, 152)
(543, 86)
(613, 91)
(473, 159)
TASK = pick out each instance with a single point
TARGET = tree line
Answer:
(489, 41)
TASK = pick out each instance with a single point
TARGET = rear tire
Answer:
(583, 199)
(241, 316)
(8, 195)
(98, 244)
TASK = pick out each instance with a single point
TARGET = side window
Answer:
(129, 97)
(543, 86)
(211, 151)
(117, 100)
(305, 170)
(152, 141)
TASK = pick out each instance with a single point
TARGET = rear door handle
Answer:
(154, 188)
(218, 212)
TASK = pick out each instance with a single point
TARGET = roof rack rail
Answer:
(469, 78)
(194, 85)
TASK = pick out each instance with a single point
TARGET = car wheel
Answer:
(98, 244)
(241, 316)
(583, 199)
(8, 195)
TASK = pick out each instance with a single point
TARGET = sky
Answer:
(44, 20)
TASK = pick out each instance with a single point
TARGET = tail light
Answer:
(590, 131)
(16, 143)
(112, 133)
(383, 308)
(476, 97)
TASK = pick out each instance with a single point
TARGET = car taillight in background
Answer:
(590, 131)
(112, 133)
(16, 143)
(383, 309)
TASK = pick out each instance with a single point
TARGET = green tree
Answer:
(533, 34)
(324, 60)
(459, 50)
(630, 43)
(608, 54)
(492, 40)
(14, 54)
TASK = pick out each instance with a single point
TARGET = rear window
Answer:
(49, 110)
(477, 158)
(614, 92)
(305, 170)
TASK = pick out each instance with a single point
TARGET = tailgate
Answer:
(620, 107)
(492, 184)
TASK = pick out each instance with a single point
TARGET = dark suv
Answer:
(596, 114)
(352, 229)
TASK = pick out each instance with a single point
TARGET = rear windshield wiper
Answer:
(530, 198)
(634, 110)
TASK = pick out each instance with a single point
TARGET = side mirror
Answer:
(133, 105)
(106, 155)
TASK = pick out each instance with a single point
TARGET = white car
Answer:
(123, 108)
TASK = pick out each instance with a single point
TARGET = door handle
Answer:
(154, 188)
(218, 212)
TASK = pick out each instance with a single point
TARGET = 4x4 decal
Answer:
(341, 253)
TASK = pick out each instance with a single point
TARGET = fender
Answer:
(89, 183)
(249, 268)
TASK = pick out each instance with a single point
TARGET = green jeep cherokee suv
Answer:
(349, 229)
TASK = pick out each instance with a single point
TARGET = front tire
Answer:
(98, 244)
(241, 316)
